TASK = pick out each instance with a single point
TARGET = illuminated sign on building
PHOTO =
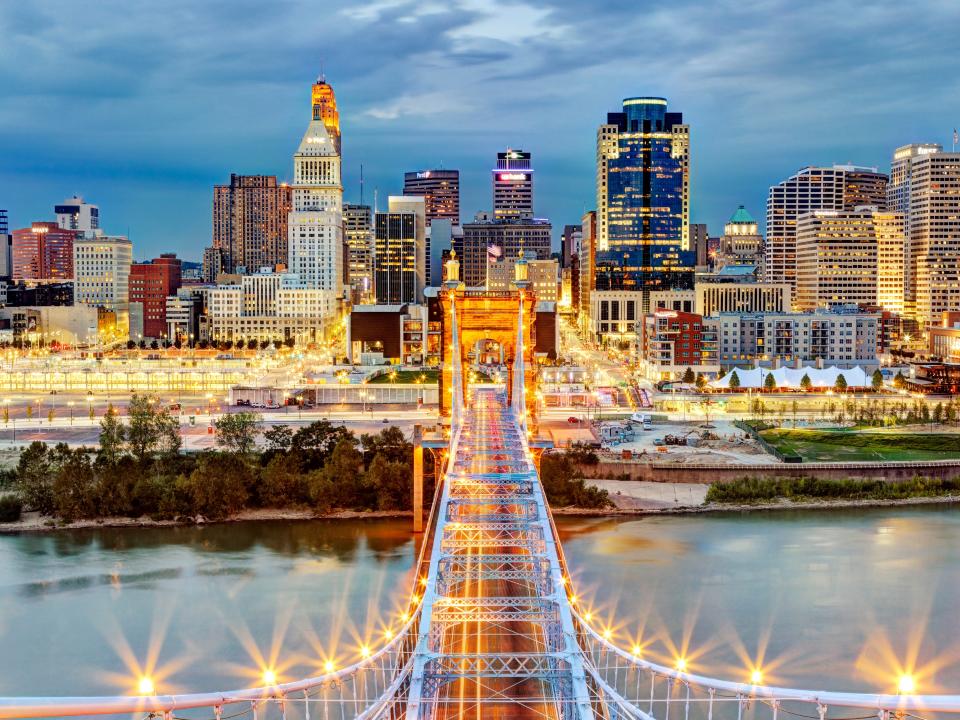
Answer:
(511, 177)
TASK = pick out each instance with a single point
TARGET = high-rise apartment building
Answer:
(4, 222)
(643, 203)
(101, 267)
(700, 244)
(150, 284)
(75, 214)
(838, 258)
(440, 190)
(588, 246)
(570, 242)
(43, 251)
(250, 222)
(358, 225)
(513, 185)
(925, 186)
(841, 187)
(315, 225)
(400, 252)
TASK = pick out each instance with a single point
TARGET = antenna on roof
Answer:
(361, 183)
(323, 75)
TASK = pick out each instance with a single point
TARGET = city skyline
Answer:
(765, 93)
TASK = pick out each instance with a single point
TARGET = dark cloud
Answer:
(142, 106)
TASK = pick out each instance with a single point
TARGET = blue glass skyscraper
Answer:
(643, 200)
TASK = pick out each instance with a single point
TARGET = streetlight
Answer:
(70, 405)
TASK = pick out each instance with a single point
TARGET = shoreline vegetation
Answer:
(138, 471)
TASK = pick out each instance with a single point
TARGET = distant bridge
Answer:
(493, 628)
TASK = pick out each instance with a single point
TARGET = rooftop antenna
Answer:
(323, 75)
(361, 183)
(375, 191)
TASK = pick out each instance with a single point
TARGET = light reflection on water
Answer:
(834, 600)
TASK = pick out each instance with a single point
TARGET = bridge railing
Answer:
(655, 691)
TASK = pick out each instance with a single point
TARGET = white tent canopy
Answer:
(791, 377)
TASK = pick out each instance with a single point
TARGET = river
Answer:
(829, 599)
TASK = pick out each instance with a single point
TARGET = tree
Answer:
(339, 482)
(688, 376)
(734, 382)
(391, 482)
(390, 443)
(112, 436)
(316, 441)
(806, 383)
(841, 384)
(278, 438)
(770, 382)
(75, 487)
(701, 381)
(237, 432)
(218, 486)
(252, 344)
(876, 381)
(282, 482)
(29, 411)
(151, 428)
(938, 413)
(899, 380)
(35, 473)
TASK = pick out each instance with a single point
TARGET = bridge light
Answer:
(756, 677)
(365, 651)
(607, 634)
(388, 633)
(588, 616)
(328, 666)
(573, 599)
(423, 581)
(681, 665)
(906, 685)
(269, 677)
(637, 650)
(145, 686)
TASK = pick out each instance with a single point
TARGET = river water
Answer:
(828, 599)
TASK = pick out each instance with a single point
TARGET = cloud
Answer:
(126, 101)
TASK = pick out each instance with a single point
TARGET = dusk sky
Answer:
(141, 107)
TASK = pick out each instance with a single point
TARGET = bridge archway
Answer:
(487, 318)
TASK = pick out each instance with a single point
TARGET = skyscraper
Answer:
(841, 187)
(643, 202)
(440, 190)
(513, 185)
(925, 186)
(250, 222)
(399, 257)
(742, 243)
(358, 224)
(75, 214)
(150, 283)
(315, 225)
(43, 251)
(486, 241)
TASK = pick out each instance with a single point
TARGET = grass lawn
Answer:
(409, 377)
(845, 445)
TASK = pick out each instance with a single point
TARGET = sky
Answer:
(142, 106)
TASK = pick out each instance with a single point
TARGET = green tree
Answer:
(340, 482)
(282, 482)
(876, 381)
(899, 380)
(237, 432)
(806, 383)
(112, 436)
(391, 482)
(734, 382)
(316, 442)
(218, 486)
(151, 428)
(701, 381)
(938, 413)
(91, 413)
(390, 443)
(279, 438)
(75, 487)
(688, 376)
(566, 487)
(35, 474)
(29, 411)
(770, 382)
(841, 383)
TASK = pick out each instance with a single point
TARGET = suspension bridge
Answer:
(493, 628)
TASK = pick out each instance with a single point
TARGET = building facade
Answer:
(400, 255)
(440, 190)
(742, 243)
(43, 251)
(542, 276)
(643, 201)
(150, 285)
(358, 226)
(250, 222)
(487, 241)
(672, 342)
(75, 214)
(102, 272)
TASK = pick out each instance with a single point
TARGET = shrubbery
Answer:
(751, 489)
(10, 508)
(565, 486)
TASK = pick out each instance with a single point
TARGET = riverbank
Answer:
(32, 522)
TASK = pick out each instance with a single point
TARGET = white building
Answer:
(315, 227)
(75, 214)
(101, 271)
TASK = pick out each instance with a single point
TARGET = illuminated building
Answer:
(250, 222)
(588, 246)
(742, 243)
(643, 203)
(399, 258)
(440, 190)
(486, 241)
(150, 285)
(671, 342)
(841, 187)
(700, 244)
(925, 187)
(75, 214)
(358, 225)
(736, 289)
(513, 185)
(838, 259)
(102, 271)
(315, 225)
(541, 274)
(43, 251)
